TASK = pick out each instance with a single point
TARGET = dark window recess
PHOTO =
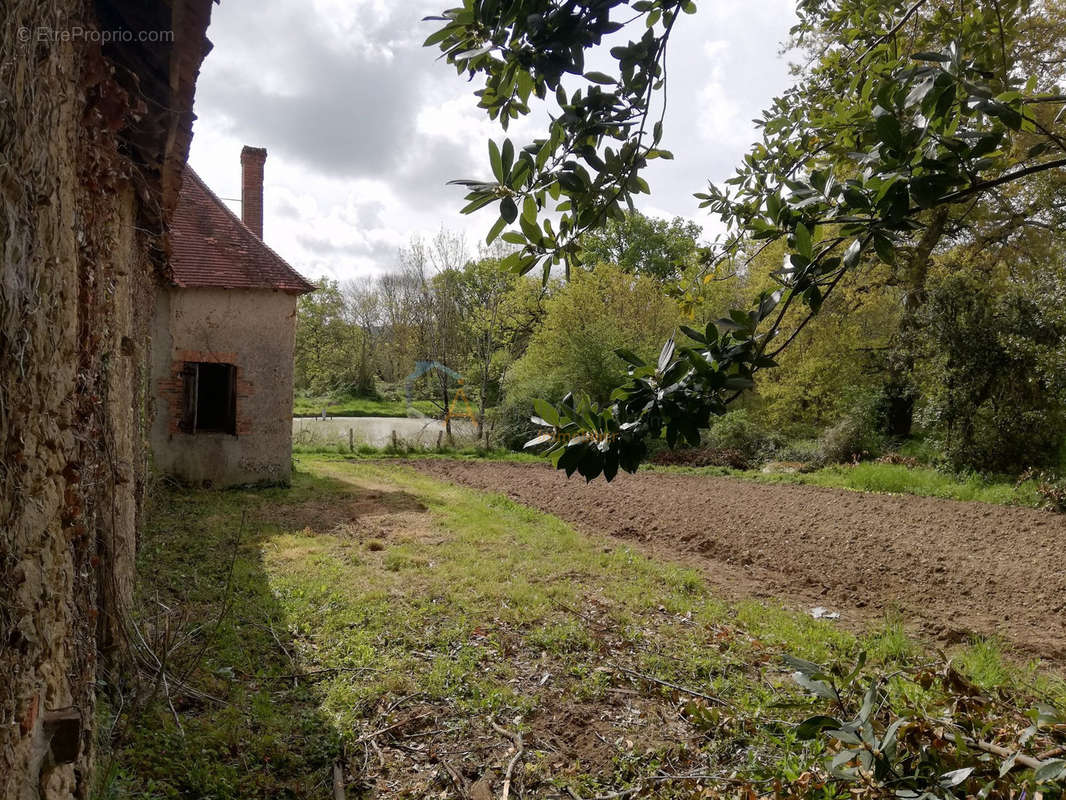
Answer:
(210, 398)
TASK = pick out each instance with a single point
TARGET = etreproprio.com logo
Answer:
(460, 407)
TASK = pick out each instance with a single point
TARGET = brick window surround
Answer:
(172, 389)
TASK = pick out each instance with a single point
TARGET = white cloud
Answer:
(364, 127)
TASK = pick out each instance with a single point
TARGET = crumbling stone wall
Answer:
(80, 242)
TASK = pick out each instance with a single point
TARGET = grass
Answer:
(373, 617)
(866, 476)
(869, 476)
(346, 405)
(403, 449)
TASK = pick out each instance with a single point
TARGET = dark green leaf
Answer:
(693, 334)
(630, 357)
(812, 726)
(501, 223)
(508, 210)
(497, 162)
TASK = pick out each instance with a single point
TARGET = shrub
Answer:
(991, 363)
(701, 457)
(857, 436)
(1051, 489)
(738, 431)
(511, 427)
(585, 321)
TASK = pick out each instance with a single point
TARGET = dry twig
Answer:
(338, 781)
(516, 738)
(676, 687)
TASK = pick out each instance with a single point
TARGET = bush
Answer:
(585, 321)
(511, 427)
(991, 363)
(701, 457)
(857, 436)
(1051, 489)
(738, 431)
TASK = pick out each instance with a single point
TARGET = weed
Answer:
(392, 655)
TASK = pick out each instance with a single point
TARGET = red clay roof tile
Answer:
(211, 247)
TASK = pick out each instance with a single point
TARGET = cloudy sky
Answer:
(364, 127)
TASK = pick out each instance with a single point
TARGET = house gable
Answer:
(212, 248)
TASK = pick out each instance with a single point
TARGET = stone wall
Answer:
(83, 164)
(252, 329)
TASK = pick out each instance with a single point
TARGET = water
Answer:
(379, 431)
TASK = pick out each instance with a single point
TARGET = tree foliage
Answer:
(659, 248)
(994, 371)
(330, 354)
(908, 112)
(584, 321)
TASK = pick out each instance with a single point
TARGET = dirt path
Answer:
(951, 568)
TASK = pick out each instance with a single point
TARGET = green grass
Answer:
(871, 476)
(350, 406)
(374, 616)
(867, 476)
(404, 450)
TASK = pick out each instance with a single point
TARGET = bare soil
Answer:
(951, 569)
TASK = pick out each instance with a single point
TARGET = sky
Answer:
(364, 127)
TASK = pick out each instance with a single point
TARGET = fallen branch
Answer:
(338, 781)
(516, 738)
(461, 783)
(676, 687)
(402, 722)
(309, 674)
(1054, 752)
(996, 750)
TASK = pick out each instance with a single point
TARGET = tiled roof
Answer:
(211, 247)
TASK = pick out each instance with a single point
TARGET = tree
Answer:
(327, 352)
(584, 321)
(432, 273)
(363, 304)
(499, 313)
(992, 363)
(908, 109)
(658, 248)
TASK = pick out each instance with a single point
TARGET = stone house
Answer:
(222, 342)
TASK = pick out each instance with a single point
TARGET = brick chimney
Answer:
(252, 161)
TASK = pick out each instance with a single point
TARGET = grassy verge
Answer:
(422, 638)
(462, 452)
(866, 476)
(891, 479)
(350, 406)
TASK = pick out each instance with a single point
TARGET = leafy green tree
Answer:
(658, 248)
(500, 310)
(584, 321)
(908, 109)
(327, 350)
(993, 368)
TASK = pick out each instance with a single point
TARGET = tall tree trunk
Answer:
(899, 389)
(447, 410)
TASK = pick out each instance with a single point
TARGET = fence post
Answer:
(351, 440)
